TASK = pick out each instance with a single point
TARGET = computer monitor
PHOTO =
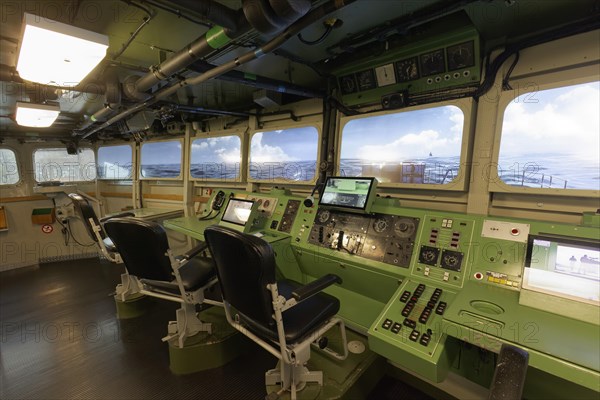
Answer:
(560, 272)
(237, 211)
(355, 194)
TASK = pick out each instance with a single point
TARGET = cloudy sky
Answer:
(216, 150)
(119, 155)
(562, 121)
(297, 144)
(161, 153)
(404, 136)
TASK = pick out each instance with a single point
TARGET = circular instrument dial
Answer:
(324, 216)
(380, 225)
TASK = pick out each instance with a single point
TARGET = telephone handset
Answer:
(218, 200)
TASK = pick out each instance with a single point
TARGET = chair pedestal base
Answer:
(204, 350)
(353, 378)
(133, 307)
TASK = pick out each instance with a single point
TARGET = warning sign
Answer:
(47, 228)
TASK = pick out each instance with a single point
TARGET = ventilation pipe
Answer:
(112, 98)
(215, 38)
(310, 18)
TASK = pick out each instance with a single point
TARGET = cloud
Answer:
(412, 145)
(260, 152)
(229, 156)
(199, 146)
(563, 123)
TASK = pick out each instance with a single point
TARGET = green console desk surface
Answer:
(488, 316)
(153, 213)
(194, 227)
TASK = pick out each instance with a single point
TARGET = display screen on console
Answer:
(349, 193)
(237, 211)
(566, 267)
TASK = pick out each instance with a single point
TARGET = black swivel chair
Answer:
(283, 317)
(144, 247)
(94, 227)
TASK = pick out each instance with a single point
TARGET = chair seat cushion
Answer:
(196, 273)
(110, 246)
(299, 320)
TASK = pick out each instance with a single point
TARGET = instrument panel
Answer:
(380, 237)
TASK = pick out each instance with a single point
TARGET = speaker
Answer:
(394, 100)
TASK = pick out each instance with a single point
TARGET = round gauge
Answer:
(259, 202)
(407, 70)
(380, 225)
(324, 216)
(267, 203)
(404, 228)
(450, 260)
(460, 56)
(432, 63)
(429, 255)
(366, 79)
(348, 84)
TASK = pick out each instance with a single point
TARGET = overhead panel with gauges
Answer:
(431, 59)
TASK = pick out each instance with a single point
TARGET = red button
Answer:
(515, 231)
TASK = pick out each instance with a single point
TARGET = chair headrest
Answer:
(143, 247)
(245, 266)
(85, 211)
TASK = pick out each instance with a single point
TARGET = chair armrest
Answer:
(509, 377)
(119, 215)
(195, 251)
(315, 287)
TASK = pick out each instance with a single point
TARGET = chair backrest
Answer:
(85, 212)
(245, 266)
(143, 246)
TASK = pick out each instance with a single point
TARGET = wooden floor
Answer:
(60, 339)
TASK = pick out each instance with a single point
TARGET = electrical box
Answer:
(3, 219)
(42, 216)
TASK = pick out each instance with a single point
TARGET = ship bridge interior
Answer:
(311, 199)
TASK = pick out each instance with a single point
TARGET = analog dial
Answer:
(460, 56)
(432, 63)
(407, 70)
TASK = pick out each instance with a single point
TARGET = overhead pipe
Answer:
(258, 81)
(112, 101)
(208, 111)
(313, 16)
(214, 12)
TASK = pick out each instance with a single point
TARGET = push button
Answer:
(441, 308)
(410, 323)
(425, 339)
(387, 323)
(414, 335)
(405, 296)
(425, 315)
(396, 328)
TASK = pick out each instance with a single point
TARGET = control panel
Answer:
(289, 215)
(444, 249)
(410, 327)
(380, 237)
(266, 205)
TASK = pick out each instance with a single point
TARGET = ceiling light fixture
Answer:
(36, 115)
(58, 54)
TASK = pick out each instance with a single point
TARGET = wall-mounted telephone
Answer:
(218, 200)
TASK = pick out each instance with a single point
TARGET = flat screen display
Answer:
(349, 193)
(237, 211)
(565, 267)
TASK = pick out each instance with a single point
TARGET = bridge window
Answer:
(412, 147)
(9, 171)
(216, 158)
(285, 155)
(161, 160)
(551, 139)
(115, 162)
(56, 165)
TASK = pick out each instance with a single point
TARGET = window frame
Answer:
(284, 127)
(459, 184)
(18, 164)
(132, 163)
(49, 147)
(211, 135)
(156, 178)
(543, 82)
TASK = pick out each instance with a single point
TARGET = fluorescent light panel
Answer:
(36, 115)
(59, 54)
